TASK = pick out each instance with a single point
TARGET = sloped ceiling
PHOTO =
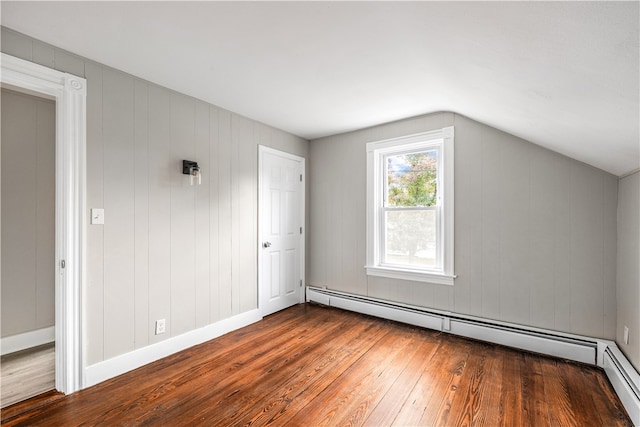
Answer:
(564, 75)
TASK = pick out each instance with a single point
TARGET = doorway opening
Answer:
(28, 246)
(68, 93)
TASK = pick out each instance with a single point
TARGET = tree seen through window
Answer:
(410, 221)
(412, 179)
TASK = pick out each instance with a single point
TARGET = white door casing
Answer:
(69, 93)
(281, 230)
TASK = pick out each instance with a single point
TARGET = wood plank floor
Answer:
(26, 373)
(312, 365)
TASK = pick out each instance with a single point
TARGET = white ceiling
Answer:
(564, 75)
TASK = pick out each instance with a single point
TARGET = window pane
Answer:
(412, 179)
(410, 238)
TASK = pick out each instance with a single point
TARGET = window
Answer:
(410, 207)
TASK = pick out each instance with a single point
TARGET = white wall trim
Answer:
(69, 93)
(406, 274)
(443, 140)
(118, 365)
(26, 340)
(595, 351)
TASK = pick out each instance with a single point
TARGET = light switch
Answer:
(97, 216)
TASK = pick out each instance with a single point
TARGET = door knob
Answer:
(266, 244)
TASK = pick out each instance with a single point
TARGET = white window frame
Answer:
(377, 151)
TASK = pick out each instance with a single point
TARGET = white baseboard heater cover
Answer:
(624, 379)
(565, 347)
(623, 376)
(606, 354)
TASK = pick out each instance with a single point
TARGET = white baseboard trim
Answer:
(118, 365)
(27, 340)
(594, 351)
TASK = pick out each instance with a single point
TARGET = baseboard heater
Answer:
(593, 351)
(624, 379)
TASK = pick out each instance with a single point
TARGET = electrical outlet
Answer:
(160, 326)
(626, 335)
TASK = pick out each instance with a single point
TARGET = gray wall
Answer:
(167, 250)
(628, 279)
(28, 213)
(535, 232)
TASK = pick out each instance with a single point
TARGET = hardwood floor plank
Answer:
(370, 393)
(489, 412)
(285, 381)
(341, 392)
(606, 403)
(533, 391)
(26, 373)
(432, 384)
(555, 391)
(446, 385)
(466, 402)
(391, 404)
(296, 393)
(311, 366)
(176, 396)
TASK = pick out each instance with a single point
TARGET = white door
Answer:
(281, 238)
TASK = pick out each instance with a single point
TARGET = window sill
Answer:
(413, 275)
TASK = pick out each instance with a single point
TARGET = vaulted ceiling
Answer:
(564, 75)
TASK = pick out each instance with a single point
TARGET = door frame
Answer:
(69, 93)
(262, 150)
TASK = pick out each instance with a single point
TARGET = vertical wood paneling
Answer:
(19, 214)
(182, 216)
(43, 54)
(541, 237)
(160, 175)
(468, 235)
(562, 244)
(69, 63)
(514, 231)
(587, 272)
(119, 255)
(341, 215)
(628, 267)
(141, 226)
(224, 212)
(490, 221)
(317, 272)
(94, 287)
(247, 216)
(335, 215)
(353, 227)
(202, 216)
(167, 249)
(214, 218)
(526, 249)
(45, 213)
(235, 213)
(610, 210)
(16, 44)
